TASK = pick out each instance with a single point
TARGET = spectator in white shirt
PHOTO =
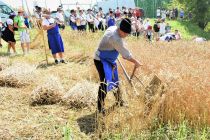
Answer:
(158, 13)
(90, 20)
(81, 20)
(162, 28)
(147, 24)
(60, 18)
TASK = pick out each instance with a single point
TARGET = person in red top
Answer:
(117, 13)
(138, 13)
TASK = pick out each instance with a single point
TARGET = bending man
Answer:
(106, 55)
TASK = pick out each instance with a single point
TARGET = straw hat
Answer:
(20, 10)
(46, 12)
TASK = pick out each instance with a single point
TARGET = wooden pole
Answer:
(29, 13)
(45, 47)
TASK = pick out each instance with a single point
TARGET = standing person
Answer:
(158, 13)
(54, 37)
(130, 13)
(163, 14)
(24, 33)
(156, 28)
(171, 14)
(190, 16)
(111, 20)
(73, 20)
(181, 14)
(117, 13)
(162, 27)
(60, 18)
(0, 32)
(8, 34)
(90, 20)
(176, 13)
(147, 24)
(149, 33)
(82, 20)
(105, 58)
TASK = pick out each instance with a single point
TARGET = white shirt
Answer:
(158, 12)
(146, 24)
(112, 41)
(73, 18)
(60, 16)
(96, 22)
(82, 19)
(9, 22)
(47, 22)
(199, 39)
(169, 35)
(90, 18)
(163, 14)
(162, 28)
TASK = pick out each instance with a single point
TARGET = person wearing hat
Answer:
(54, 38)
(19, 22)
(105, 58)
(60, 18)
(8, 34)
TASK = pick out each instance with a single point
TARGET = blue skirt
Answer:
(55, 43)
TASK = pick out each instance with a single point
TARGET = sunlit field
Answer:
(172, 101)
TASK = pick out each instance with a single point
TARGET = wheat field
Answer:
(183, 94)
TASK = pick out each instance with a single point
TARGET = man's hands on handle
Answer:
(136, 63)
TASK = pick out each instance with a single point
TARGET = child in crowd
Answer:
(149, 33)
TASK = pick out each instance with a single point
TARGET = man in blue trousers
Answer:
(105, 58)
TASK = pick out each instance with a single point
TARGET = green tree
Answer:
(199, 8)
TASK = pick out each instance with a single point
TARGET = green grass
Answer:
(182, 131)
(188, 29)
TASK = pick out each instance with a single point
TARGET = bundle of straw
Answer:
(83, 94)
(48, 93)
(17, 75)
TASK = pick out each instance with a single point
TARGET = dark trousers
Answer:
(91, 27)
(61, 26)
(103, 87)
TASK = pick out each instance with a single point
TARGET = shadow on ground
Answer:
(87, 124)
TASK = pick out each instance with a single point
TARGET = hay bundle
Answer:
(83, 94)
(17, 75)
(48, 93)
